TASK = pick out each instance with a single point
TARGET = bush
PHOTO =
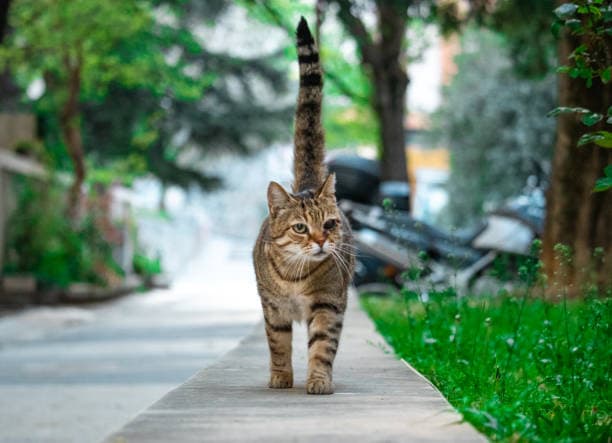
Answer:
(146, 266)
(42, 242)
(494, 122)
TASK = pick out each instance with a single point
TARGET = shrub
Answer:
(497, 119)
(146, 266)
(42, 242)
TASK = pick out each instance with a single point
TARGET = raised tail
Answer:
(309, 139)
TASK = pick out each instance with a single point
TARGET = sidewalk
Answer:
(377, 398)
(73, 374)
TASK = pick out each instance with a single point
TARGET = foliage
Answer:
(590, 20)
(146, 266)
(241, 110)
(41, 241)
(495, 120)
(348, 117)
(526, 26)
(348, 120)
(77, 49)
(113, 41)
(151, 90)
(49, 35)
(604, 183)
(517, 368)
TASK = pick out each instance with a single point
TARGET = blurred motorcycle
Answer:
(393, 247)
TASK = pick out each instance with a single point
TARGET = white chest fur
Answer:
(295, 307)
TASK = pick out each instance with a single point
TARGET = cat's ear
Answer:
(277, 197)
(328, 188)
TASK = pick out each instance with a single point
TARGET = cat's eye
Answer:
(330, 224)
(300, 228)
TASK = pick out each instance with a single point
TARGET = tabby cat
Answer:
(303, 256)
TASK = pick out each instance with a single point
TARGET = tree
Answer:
(242, 109)
(525, 24)
(348, 116)
(576, 216)
(72, 46)
(4, 8)
(382, 56)
(577, 219)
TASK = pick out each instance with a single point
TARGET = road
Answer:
(71, 374)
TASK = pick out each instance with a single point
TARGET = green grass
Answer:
(518, 369)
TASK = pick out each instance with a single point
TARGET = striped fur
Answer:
(303, 274)
(309, 152)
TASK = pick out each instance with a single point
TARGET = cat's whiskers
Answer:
(350, 254)
(295, 272)
(294, 262)
(340, 263)
(347, 249)
(304, 262)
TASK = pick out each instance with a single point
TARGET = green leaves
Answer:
(600, 138)
(588, 20)
(114, 41)
(567, 110)
(604, 183)
(591, 118)
(606, 74)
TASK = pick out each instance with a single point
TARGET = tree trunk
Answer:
(9, 92)
(383, 59)
(70, 122)
(577, 217)
(390, 84)
(5, 6)
(390, 94)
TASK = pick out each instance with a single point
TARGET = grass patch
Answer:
(518, 369)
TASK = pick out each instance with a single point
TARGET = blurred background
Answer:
(137, 139)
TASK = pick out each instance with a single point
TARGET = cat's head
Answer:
(305, 225)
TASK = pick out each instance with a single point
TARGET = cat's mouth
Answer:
(319, 255)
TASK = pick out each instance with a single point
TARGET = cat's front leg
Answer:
(324, 327)
(279, 333)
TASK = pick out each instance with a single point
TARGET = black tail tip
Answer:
(304, 36)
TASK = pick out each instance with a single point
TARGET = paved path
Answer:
(378, 398)
(71, 374)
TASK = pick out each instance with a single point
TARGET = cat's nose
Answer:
(319, 239)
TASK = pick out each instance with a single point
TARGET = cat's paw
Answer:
(319, 386)
(281, 380)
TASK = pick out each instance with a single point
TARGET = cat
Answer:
(303, 256)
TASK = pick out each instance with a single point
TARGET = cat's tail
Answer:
(309, 139)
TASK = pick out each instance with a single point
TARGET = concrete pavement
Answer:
(377, 398)
(73, 374)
